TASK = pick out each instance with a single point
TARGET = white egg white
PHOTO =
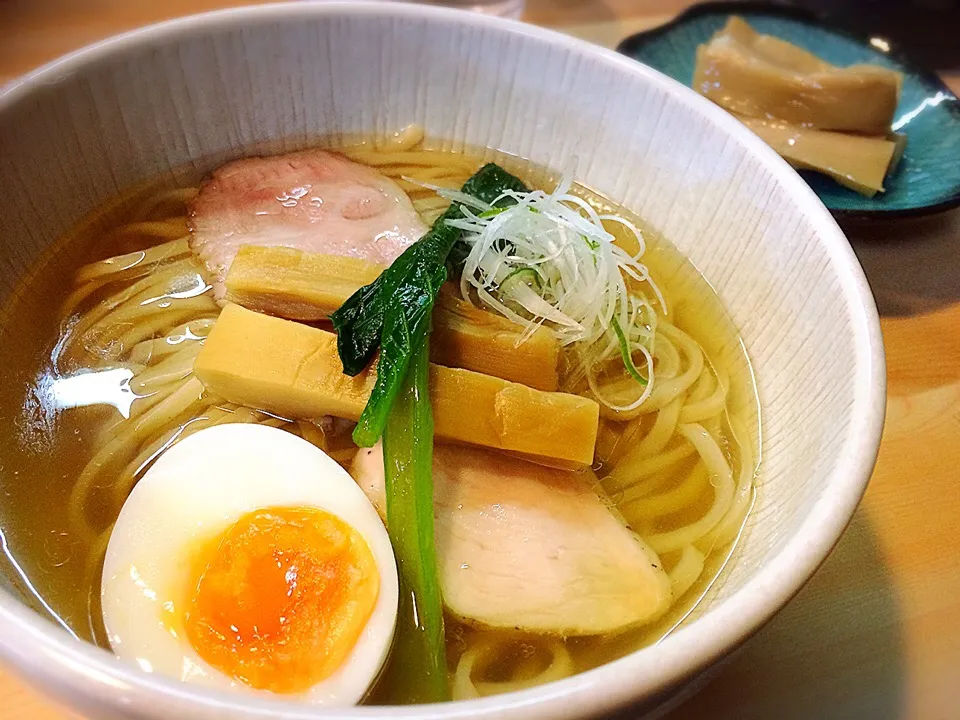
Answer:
(195, 491)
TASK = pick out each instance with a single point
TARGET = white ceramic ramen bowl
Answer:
(204, 89)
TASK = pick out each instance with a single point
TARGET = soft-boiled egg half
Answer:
(246, 558)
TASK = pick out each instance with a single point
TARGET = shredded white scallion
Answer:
(547, 260)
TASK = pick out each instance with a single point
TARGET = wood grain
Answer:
(876, 633)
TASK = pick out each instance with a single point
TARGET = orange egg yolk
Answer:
(281, 598)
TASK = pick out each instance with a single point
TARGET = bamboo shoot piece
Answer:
(858, 162)
(294, 284)
(293, 370)
(290, 283)
(764, 77)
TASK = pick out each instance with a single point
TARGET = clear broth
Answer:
(41, 448)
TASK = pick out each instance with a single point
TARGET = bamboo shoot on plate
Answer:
(859, 162)
(765, 77)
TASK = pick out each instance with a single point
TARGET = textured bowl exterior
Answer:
(198, 91)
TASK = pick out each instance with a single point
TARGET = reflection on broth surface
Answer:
(97, 356)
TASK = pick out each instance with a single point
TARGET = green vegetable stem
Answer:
(393, 313)
(419, 653)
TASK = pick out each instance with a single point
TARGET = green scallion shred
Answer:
(625, 352)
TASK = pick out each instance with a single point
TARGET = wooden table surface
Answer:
(876, 633)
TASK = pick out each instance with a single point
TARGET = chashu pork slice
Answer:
(315, 201)
(528, 547)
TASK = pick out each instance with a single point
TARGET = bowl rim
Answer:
(42, 652)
